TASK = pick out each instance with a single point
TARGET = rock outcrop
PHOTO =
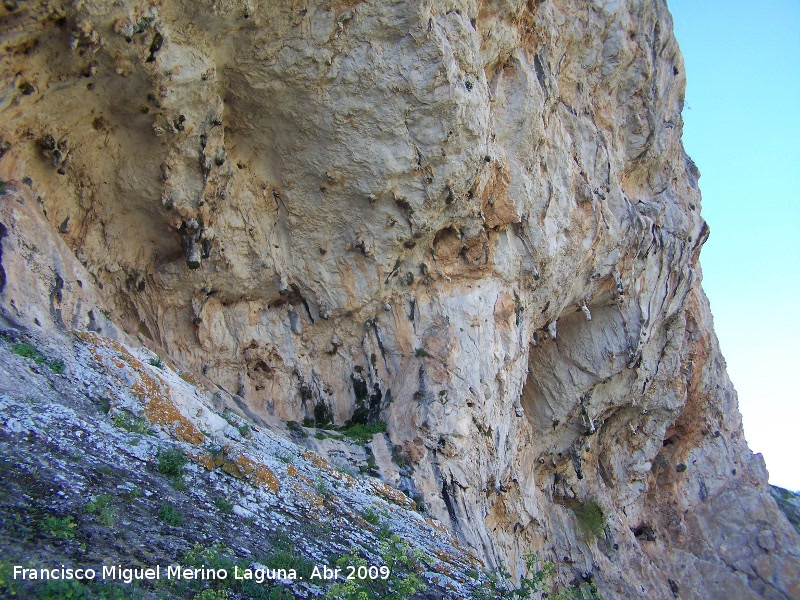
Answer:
(473, 220)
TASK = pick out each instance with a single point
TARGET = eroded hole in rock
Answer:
(645, 532)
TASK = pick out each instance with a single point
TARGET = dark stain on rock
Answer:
(56, 297)
(3, 233)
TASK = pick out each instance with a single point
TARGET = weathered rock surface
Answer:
(474, 220)
(82, 443)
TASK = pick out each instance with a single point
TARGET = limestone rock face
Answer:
(474, 220)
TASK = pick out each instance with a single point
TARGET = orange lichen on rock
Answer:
(191, 379)
(437, 526)
(311, 498)
(345, 478)
(315, 458)
(151, 391)
(204, 459)
(242, 467)
(391, 494)
(160, 410)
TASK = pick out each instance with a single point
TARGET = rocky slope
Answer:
(473, 220)
(111, 457)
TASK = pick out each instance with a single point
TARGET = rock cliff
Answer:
(474, 221)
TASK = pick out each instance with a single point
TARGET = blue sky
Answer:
(742, 129)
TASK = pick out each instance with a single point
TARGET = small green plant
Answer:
(218, 557)
(212, 595)
(107, 516)
(286, 457)
(58, 589)
(321, 487)
(60, 528)
(402, 583)
(363, 433)
(169, 514)
(590, 518)
(2, 188)
(498, 583)
(101, 506)
(132, 493)
(584, 591)
(131, 423)
(372, 516)
(421, 352)
(57, 366)
(8, 585)
(156, 362)
(537, 578)
(20, 526)
(223, 504)
(116, 591)
(283, 555)
(233, 419)
(98, 504)
(171, 462)
(28, 351)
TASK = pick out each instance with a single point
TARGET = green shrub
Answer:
(59, 589)
(403, 581)
(171, 462)
(60, 528)
(372, 516)
(156, 362)
(101, 506)
(132, 493)
(8, 585)
(584, 591)
(223, 504)
(590, 518)
(212, 595)
(498, 583)
(283, 555)
(107, 516)
(169, 514)
(321, 487)
(131, 423)
(116, 591)
(420, 353)
(218, 556)
(98, 504)
(27, 351)
(364, 433)
(57, 366)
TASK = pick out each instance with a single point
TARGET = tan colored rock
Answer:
(448, 190)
